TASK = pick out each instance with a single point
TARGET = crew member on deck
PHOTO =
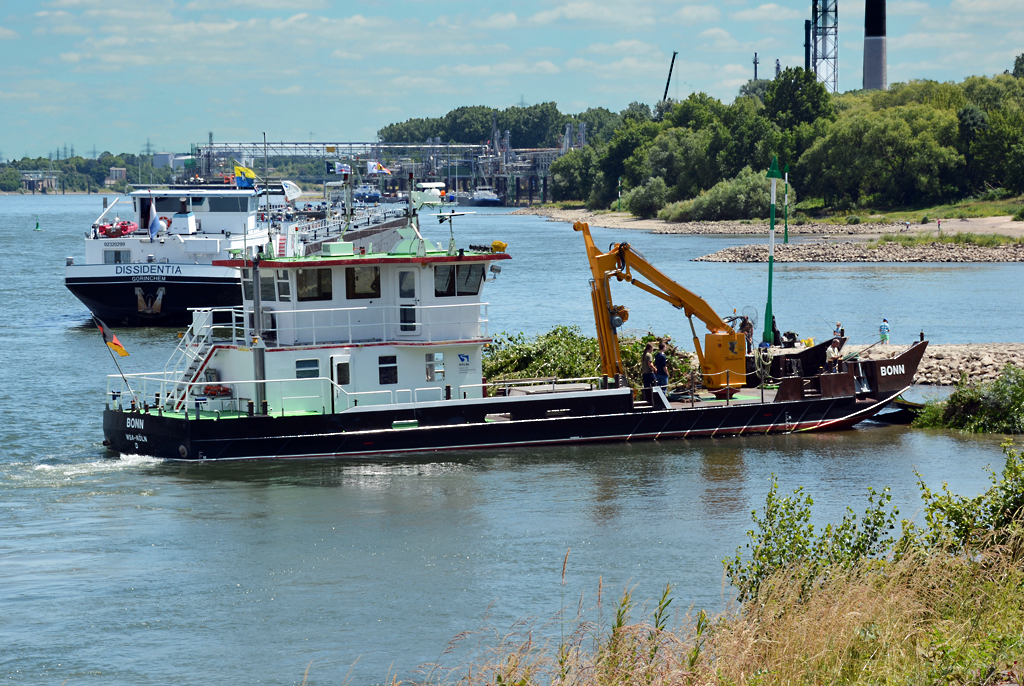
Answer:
(833, 356)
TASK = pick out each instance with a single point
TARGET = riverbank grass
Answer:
(983, 240)
(851, 603)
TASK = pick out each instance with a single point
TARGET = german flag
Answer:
(109, 338)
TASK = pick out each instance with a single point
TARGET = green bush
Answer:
(852, 219)
(800, 219)
(785, 539)
(924, 219)
(1019, 217)
(645, 201)
(564, 352)
(992, 407)
(746, 196)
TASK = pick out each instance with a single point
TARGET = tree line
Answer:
(917, 143)
(82, 174)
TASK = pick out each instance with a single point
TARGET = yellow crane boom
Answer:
(723, 359)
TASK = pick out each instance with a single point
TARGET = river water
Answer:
(136, 571)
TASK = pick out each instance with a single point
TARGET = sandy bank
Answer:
(624, 220)
(861, 252)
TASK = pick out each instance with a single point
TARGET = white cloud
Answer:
(497, 22)
(7, 34)
(769, 12)
(623, 47)
(593, 13)
(697, 13)
(907, 8)
(214, 5)
(71, 57)
(288, 90)
(505, 69)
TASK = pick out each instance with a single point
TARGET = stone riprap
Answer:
(942, 365)
(863, 252)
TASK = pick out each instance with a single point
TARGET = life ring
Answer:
(216, 391)
(166, 221)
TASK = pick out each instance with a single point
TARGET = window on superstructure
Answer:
(167, 205)
(452, 280)
(267, 291)
(307, 369)
(117, 256)
(435, 366)
(362, 283)
(344, 374)
(468, 278)
(387, 366)
(313, 284)
(284, 291)
(226, 204)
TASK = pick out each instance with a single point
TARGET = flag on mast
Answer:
(109, 338)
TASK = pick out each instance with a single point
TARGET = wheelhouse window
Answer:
(117, 256)
(387, 369)
(362, 283)
(307, 369)
(267, 291)
(284, 292)
(456, 280)
(236, 203)
(313, 284)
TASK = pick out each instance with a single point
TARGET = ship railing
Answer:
(155, 392)
(387, 323)
(549, 383)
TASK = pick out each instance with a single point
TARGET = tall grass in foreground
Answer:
(944, 606)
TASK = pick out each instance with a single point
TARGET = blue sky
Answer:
(112, 73)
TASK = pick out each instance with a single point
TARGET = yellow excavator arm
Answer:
(723, 359)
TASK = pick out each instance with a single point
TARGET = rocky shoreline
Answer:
(863, 252)
(942, 365)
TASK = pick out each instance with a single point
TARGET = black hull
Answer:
(341, 436)
(117, 301)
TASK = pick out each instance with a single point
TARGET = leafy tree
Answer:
(699, 110)
(747, 196)
(754, 88)
(946, 96)
(1018, 66)
(972, 121)
(572, 174)
(663, 108)
(10, 180)
(601, 123)
(796, 96)
(905, 155)
(637, 111)
(624, 143)
(647, 199)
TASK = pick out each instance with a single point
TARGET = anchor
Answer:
(149, 304)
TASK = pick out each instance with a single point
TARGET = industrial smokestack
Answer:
(874, 45)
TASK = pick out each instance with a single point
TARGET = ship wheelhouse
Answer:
(348, 328)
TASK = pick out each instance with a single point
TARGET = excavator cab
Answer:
(725, 360)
